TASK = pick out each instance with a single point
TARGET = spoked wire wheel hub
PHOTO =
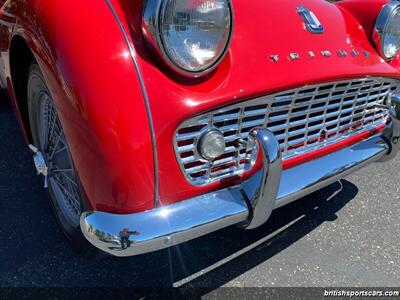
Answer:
(62, 178)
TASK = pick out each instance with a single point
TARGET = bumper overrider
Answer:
(248, 205)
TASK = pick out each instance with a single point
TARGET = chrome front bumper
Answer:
(248, 205)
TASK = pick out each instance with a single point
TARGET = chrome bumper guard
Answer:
(248, 205)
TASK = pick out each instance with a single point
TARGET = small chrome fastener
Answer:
(250, 143)
(40, 164)
(168, 240)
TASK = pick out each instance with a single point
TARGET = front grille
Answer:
(303, 120)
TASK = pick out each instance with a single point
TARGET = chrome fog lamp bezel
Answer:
(201, 152)
(151, 29)
(381, 24)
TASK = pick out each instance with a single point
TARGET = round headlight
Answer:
(191, 35)
(387, 30)
(211, 145)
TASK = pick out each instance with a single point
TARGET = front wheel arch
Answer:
(21, 58)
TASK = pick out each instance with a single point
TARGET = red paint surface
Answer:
(90, 74)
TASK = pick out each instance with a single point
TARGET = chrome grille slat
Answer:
(190, 159)
(303, 120)
(197, 169)
(222, 162)
(187, 136)
(225, 173)
(227, 117)
(254, 123)
(258, 112)
(322, 100)
(186, 148)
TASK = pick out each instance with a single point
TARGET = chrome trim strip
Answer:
(146, 100)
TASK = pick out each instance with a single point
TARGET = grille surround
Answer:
(304, 119)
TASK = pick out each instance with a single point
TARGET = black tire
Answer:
(37, 91)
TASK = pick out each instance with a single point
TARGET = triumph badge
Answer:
(311, 21)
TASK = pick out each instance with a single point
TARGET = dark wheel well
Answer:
(21, 58)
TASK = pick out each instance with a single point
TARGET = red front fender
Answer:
(91, 75)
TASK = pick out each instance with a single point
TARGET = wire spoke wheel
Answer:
(62, 178)
(53, 160)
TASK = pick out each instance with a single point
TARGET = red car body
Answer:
(120, 106)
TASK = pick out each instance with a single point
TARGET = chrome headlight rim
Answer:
(381, 25)
(151, 29)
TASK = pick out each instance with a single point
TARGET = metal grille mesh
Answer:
(302, 120)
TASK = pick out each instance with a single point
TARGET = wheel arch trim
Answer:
(132, 53)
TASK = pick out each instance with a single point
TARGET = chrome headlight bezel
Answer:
(151, 29)
(382, 23)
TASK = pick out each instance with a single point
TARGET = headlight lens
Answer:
(195, 33)
(387, 30)
(212, 145)
(391, 37)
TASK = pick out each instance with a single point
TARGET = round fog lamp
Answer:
(211, 145)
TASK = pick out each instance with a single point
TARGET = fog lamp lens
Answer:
(211, 145)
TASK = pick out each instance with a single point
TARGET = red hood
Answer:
(262, 28)
(265, 28)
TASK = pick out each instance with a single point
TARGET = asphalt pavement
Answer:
(345, 235)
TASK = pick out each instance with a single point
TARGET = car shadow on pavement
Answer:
(34, 252)
(286, 226)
